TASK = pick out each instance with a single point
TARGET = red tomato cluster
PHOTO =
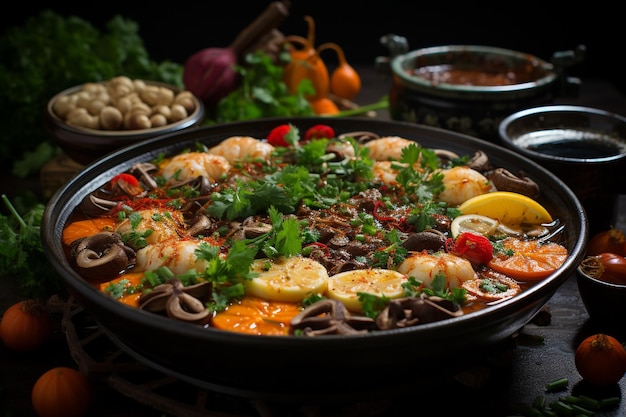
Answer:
(475, 248)
(288, 134)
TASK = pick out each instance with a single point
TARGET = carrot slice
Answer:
(258, 316)
(531, 260)
(88, 227)
(131, 279)
(491, 289)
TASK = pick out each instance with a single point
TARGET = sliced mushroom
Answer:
(102, 256)
(426, 240)
(329, 317)
(177, 301)
(479, 162)
(200, 183)
(445, 155)
(360, 136)
(93, 206)
(252, 227)
(200, 225)
(411, 311)
(505, 180)
(143, 170)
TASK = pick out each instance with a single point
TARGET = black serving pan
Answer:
(302, 369)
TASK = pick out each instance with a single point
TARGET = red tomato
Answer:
(609, 241)
(283, 135)
(319, 132)
(609, 267)
(475, 248)
(614, 267)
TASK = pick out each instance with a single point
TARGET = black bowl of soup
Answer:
(403, 353)
(471, 88)
(583, 146)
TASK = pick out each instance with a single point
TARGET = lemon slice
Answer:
(344, 286)
(287, 279)
(507, 207)
(474, 223)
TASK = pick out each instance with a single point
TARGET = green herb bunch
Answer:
(50, 53)
(21, 251)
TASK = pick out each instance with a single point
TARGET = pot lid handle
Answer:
(397, 45)
(569, 86)
(563, 59)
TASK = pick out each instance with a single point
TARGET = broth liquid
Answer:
(577, 148)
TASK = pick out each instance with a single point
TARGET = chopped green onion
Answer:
(562, 408)
(608, 402)
(588, 402)
(581, 411)
(557, 385)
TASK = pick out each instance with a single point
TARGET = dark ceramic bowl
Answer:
(85, 145)
(295, 368)
(427, 88)
(605, 301)
(583, 146)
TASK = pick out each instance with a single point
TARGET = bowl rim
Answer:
(506, 123)
(399, 63)
(67, 195)
(196, 115)
(488, 326)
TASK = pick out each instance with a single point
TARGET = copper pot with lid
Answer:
(471, 88)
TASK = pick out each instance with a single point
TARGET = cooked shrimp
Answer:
(238, 148)
(463, 183)
(161, 224)
(190, 165)
(178, 255)
(386, 148)
(424, 267)
(385, 173)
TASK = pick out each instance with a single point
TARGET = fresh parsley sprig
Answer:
(22, 255)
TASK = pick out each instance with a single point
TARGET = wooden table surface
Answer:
(497, 385)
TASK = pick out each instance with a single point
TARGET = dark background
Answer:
(177, 31)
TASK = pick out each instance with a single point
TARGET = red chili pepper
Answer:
(127, 178)
(283, 135)
(319, 132)
(475, 248)
(377, 204)
(126, 184)
(322, 246)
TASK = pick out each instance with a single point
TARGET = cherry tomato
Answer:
(319, 132)
(606, 266)
(126, 183)
(475, 248)
(611, 241)
(283, 135)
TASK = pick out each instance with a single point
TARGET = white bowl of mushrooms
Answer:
(92, 119)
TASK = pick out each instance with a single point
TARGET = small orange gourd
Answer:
(600, 359)
(61, 392)
(324, 106)
(345, 82)
(26, 326)
(306, 63)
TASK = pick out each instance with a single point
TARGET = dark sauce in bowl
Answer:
(574, 144)
(438, 74)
